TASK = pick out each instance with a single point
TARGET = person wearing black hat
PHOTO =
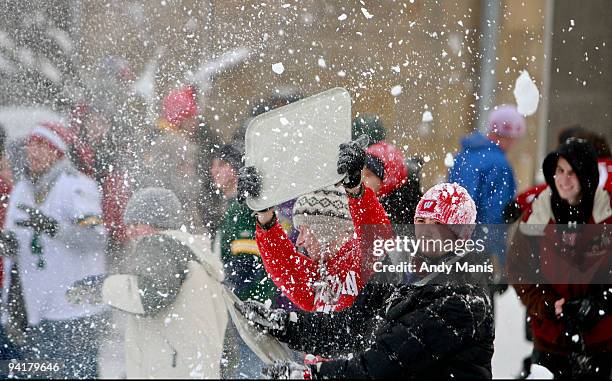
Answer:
(557, 261)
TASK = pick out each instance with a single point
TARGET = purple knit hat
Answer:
(506, 121)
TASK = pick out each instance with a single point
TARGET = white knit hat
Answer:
(320, 207)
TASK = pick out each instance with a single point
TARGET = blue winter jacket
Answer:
(483, 170)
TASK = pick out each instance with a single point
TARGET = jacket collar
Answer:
(542, 213)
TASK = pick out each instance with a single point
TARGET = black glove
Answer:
(585, 313)
(8, 244)
(249, 183)
(86, 291)
(351, 161)
(287, 370)
(512, 212)
(38, 221)
(273, 321)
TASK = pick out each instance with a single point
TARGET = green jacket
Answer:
(244, 271)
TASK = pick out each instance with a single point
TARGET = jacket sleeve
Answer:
(414, 342)
(115, 195)
(82, 227)
(497, 191)
(244, 271)
(464, 174)
(292, 272)
(338, 333)
(367, 210)
(522, 264)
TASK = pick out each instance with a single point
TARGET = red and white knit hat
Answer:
(53, 134)
(449, 204)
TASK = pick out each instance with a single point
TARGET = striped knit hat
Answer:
(326, 206)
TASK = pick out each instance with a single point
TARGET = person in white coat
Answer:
(171, 290)
(54, 213)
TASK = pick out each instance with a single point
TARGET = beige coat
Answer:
(186, 339)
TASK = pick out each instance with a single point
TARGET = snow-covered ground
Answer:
(510, 344)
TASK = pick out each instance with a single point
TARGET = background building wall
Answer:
(429, 48)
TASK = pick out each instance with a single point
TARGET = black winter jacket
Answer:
(431, 331)
(401, 204)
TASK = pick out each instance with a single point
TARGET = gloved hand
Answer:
(86, 291)
(273, 321)
(584, 313)
(287, 370)
(249, 183)
(351, 161)
(8, 244)
(512, 212)
(37, 221)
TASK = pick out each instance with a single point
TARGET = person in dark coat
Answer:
(563, 280)
(436, 327)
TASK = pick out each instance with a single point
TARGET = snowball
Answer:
(321, 62)
(284, 121)
(278, 68)
(367, 14)
(427, 117)
(526, 94)
(538, 372)
(268, 303)
(396, 90)
(342, 17)
(449, 161)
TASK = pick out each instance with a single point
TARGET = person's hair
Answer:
(596, 139)
(600, 144)
(572, 131)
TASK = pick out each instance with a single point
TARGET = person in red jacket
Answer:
(386, 173)
(91, 150)
(335, 268)
(559, 265)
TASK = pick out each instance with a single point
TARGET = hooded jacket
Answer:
(398, 196)
(176, 310)
(483, 169)
(544, 266)
(525, 199)
(434, 331)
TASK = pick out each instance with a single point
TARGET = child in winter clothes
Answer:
(439, 327)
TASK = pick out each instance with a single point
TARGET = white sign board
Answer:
(295, 148)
